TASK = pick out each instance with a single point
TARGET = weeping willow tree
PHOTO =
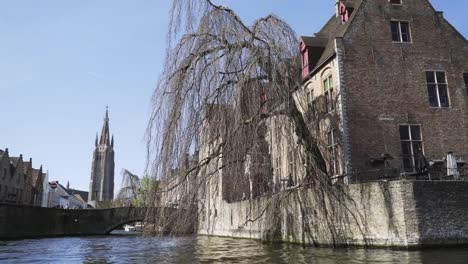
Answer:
(225, 88)
(134, 191)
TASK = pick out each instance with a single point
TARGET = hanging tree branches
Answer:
(224, 88)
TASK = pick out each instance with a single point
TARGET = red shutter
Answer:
(344, 13)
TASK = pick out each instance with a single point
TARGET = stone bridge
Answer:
(17, 221)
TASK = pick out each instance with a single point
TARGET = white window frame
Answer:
(411, 141)
(401, 2)
(436, 83)
(400, 35)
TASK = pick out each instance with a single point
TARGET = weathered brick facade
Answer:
(381, 84)
(19, 182)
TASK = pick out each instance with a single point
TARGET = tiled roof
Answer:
(315, 41)
(36, 176)
(334, 28)
(83, 194)
(26, 167)
(81, 198)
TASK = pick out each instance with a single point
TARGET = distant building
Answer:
(67, 198)
(20, 183)
(37, 186)
(101, 186)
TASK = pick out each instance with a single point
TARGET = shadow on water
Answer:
(126, 247)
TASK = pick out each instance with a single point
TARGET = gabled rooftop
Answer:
(322, 44)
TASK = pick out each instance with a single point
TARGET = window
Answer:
(332, 151)
(437, 89)
(310, 98)
(344, 14)
(465, 78)
(328, 88)
(395, 2)
(400, 31)
(411, 147)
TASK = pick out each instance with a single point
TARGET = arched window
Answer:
(328, 93)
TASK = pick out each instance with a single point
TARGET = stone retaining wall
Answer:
(387, 214)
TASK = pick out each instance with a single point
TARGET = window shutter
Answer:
(344, 14)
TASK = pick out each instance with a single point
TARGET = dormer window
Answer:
(395, 2)
(343, 12)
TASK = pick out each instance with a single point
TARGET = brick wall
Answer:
(386, 85)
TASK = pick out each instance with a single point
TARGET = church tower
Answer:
(101, 185)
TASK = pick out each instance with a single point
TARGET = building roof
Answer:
(333, 29)
(73, 192)
(14, 161)
(37, 177)
(26, 166)
(81, 198)
(82, 194)
(315, 41)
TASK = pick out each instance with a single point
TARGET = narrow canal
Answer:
(122, 247)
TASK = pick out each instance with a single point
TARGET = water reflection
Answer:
(124, 248)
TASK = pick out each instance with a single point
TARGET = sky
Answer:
(62, 62)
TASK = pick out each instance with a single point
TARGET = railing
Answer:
(389, 174)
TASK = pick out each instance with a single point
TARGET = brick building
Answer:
(20, 183)
(385, 86)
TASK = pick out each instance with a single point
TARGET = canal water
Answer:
(122, 247)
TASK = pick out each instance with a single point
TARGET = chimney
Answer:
(337, 8)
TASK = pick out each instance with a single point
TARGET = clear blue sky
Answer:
(62, 62)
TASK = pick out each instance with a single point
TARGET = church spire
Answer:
(105, 130)
(112, 141)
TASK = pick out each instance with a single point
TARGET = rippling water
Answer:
(131, 248)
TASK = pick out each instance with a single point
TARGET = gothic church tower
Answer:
(101, 185)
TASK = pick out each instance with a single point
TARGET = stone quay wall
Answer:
(406, 214)
(17, 221)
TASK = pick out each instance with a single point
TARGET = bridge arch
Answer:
(119, 216)
(16, 221)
